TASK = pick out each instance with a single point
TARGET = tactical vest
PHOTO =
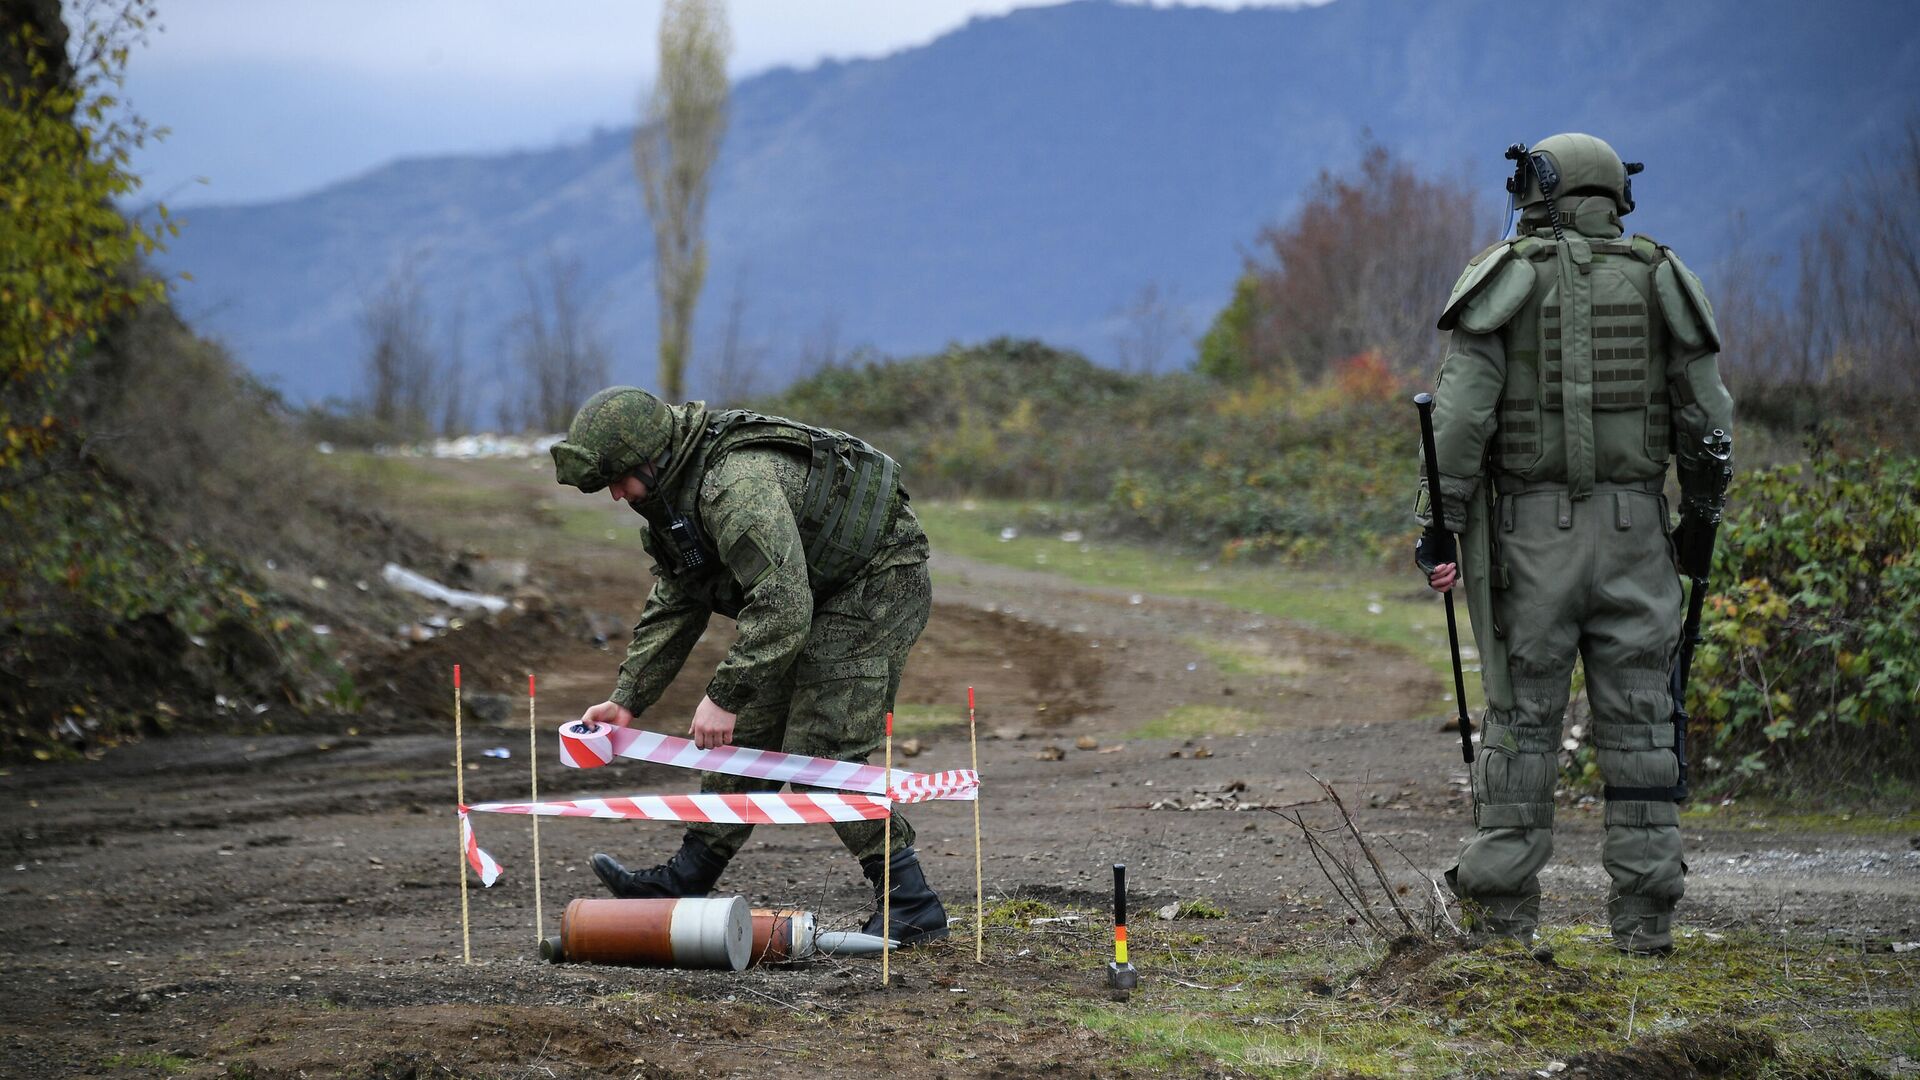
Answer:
(852, 495)
(1586, 398)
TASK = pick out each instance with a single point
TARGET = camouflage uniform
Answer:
(805, 538)
(1578, 360)
(811, 672)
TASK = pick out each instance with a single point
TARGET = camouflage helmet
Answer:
(617, 431)
(1575, 165)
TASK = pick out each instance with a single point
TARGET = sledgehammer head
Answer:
(1121, 979)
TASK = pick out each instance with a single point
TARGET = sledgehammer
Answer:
(1121, 978)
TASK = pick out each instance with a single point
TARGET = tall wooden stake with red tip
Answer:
(979, 897)
(886, 865)
(533, 771)
(460, 793)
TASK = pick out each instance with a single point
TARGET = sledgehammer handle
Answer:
(1119, 894)
(1424, 402)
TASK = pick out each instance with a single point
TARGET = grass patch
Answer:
(577, 520)
(1324, 1011)
(1770, 815)
(920, 720)
(503, 506)
(1199, 909)
(1245, 658)
(1017, 913)
(1191, 721)
(411, 479)
(1394, 611)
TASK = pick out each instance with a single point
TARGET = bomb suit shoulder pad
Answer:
(1492, 287)
(1683, 301)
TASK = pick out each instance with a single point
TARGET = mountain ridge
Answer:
(1030, 173)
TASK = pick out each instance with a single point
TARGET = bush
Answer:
(1267, 468)
(1810, 667)
(1279, 469)
(1009, 417)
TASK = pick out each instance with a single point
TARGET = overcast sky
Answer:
(268, 98)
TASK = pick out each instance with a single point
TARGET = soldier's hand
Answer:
(1443, 577)
(607, 713)
(712, 725)
(1434, 548)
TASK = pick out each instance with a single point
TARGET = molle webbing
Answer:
(1519, 428)
(849, 498)
(848, 502)
(1595, 351)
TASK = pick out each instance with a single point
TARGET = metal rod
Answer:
(1424, 402)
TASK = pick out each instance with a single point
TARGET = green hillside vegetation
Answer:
(1807, 669)
(169, 548)
(1270, 468)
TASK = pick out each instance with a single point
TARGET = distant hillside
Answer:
(1030, 174)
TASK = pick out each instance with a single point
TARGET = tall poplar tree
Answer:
(674, 150)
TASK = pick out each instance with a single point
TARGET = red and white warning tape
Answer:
(750, 808)
(590, 746)
(598, 744)
(481, 862)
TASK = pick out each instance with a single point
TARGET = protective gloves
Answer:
(1435, 547)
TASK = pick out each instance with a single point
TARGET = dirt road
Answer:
(288, 905)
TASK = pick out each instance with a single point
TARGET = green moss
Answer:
(1018, 913)
(1325, 1010)
(1898, 1027)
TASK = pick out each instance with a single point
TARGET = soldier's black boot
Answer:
(692, 871)
(917, 915)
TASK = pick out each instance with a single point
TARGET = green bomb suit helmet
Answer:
(616, 432)
(1584, 165)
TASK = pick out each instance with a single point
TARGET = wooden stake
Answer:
(886, 866)
(460, 793)
(979, 895)
(533, 774)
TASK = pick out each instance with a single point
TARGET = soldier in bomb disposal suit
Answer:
(805, 538)
(1581, 360)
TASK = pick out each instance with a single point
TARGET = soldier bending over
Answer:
(804, 537)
